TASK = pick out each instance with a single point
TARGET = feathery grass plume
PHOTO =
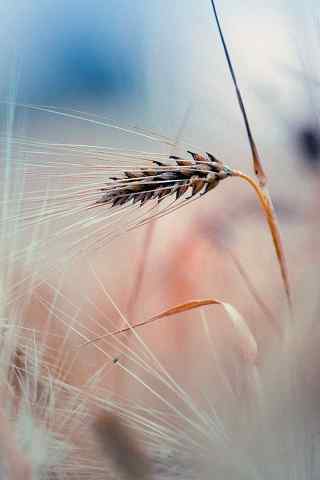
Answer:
(249, 421)
(74, 203)
(28, 414)
(47, 423)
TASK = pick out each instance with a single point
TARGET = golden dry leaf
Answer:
(247, 343)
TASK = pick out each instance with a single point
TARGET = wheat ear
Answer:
(161, 180)
(199, 176)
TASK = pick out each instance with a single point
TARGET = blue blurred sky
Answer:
(70, 52)
(160, 63)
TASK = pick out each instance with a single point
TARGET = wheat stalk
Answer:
(200, 175)
(106, 199)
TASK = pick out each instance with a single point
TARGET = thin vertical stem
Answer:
(263, 191)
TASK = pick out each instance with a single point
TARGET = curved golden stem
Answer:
(274, 230)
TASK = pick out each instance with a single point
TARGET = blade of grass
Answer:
(259, 171)
(257, 165)
(249, 347)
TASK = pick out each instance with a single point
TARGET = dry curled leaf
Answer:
(247, 343)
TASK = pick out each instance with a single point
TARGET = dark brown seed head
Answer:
(163, 180)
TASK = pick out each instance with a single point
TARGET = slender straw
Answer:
(262, 192)
(255, 154)
(268, 211)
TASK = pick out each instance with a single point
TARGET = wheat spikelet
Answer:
(162, 180)
(81, 198)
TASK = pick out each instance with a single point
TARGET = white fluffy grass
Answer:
(254, 422)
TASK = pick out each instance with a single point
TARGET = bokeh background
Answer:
(158, 66)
